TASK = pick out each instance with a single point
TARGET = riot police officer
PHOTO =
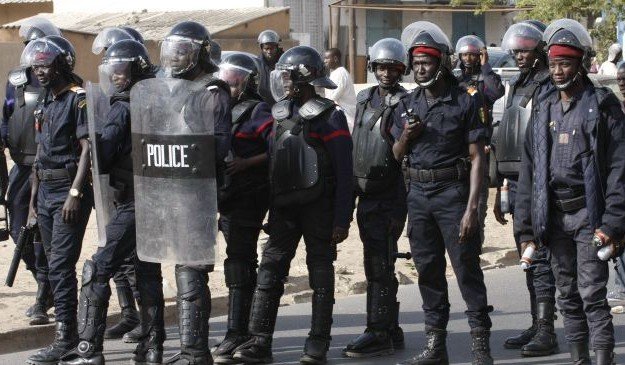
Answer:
(570, 194)
(185, 54)
(270, 52)
(311, 196)
(23, 92)
(381, 212)
(525, 41)
(124, 64)
(61, 197)
(477, 74)
(244, 198)
(440, 137)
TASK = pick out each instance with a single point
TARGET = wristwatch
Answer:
(75, 193)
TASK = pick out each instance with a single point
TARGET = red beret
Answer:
(558, 50)
(426, 50)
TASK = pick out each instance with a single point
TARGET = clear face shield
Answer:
(39, 53)
(179, 55)
(236, 77)
(115, 76)
(281, 84)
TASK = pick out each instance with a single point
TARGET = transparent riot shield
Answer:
(173, 150)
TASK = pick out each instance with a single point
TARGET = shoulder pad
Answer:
(78, 90)
(214, 84)
(281, 110)
(364, 95)
(457, 73)
(314, 107)
(242, 108)
(19, 76)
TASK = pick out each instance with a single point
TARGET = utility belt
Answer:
(57, 174)
(458, 172)
(568, 200)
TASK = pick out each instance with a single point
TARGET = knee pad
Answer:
(191, 283)
(321, 277)
(238, 274)
(376, 268)
(268, 278)
(89, 272)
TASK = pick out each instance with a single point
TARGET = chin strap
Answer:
(567, 84)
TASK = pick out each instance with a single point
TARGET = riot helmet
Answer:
(134, 33)
(301, 65)
(186, 46)
(124, 63)
(469, 44)
(35, 28)
(525, 36)
(387, 51)
(108, 37)
(239, 71)
(568, 38)
(424, 36)
(53, 52)
(537, 23)
(215, 53)
(268, 36)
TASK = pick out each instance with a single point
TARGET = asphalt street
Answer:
(506, 293)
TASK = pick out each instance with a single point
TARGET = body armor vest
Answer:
(375, 167)
(301, 169)
(21, 125)
(511, 132)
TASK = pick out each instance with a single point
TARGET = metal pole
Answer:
(351, 39)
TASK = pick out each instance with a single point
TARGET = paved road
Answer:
(506, 293)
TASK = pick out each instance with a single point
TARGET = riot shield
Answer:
(173, 149)
(97, 111)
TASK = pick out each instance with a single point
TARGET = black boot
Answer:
(435, 351)
(545, 341)
(92, 306)
(321, 280)
(134, 336)
(240, 279)
(580, 355)
(149, 351)
(130, 316)
(604, 357)
(257, 350)
(480, 346)
(193, 300)
(44, 301)
(65, 339)
(397, 334)
(522, 339)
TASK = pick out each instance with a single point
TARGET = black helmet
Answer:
(427, 34)
(239, 70)
(35, 28)
(306, 66)
(129, 50)
(268, 36)
(190, 38)
(537, 23)
(134, 33)
(387, 51)
(44, 51)
(215, 52)
(568, 32)
(128, 58)
(108, 37)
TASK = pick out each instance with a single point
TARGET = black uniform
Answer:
(438, 192)
(264, 70)
(570, 184)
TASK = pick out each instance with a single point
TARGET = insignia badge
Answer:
(471, 90)
(563, 138)
(82, 103)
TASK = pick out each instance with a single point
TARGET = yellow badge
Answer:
(82, 103)
(471, 90)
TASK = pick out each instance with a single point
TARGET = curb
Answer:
(35, 337)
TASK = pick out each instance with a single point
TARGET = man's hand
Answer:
(526, 244)
(237, 165)
(32, 212)
(339, 234)
(468, 224)
(499, 216)
(483, 56)
(70, 209)
(487, 149)
(412, 131)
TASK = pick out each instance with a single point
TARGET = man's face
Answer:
(563, 69)
(45, 75)
(620, 80)
(270, 51)
(424, 67)
(330, 60)
(388, 74)
(470, 60)
(525, 59)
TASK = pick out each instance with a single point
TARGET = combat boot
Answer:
(580, 355)
(604, 357)
(435, 351)
(129, 316)
(397, 334)
(480, 346)
(65, 339)
(522, 339)
(545, 341)
(43, 302)
(134, 336)
(321, 280)
(149, 351)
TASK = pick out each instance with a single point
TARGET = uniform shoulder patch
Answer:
(82, 103)
(18, 77)
(471, 90)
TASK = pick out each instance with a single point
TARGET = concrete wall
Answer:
(277, 21)
(12, 12)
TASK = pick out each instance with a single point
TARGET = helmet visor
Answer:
(235, 76)
(115, 76)
(521, 37)
(179, 54)
(107, 38)
(470, 44)
(40, 52)
(281, 84)
(40, 26)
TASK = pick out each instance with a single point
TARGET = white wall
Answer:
(61, 6)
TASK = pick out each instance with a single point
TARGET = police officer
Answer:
(440, 137)
(124, 64)
(381, 212)
(244, 198)
(477, 74)
(270, 52)
(570, 194)
(61, 196)
(185, 54)
(525, 41)
(311, 197)
(23, 92)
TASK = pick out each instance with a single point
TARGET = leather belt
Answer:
(437, 175)
(53, 174)
(570, 205)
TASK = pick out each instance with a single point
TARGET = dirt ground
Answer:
(498, 251)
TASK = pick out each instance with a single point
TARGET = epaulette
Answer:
(19, 76)
(78, 90)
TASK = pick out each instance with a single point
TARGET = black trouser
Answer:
(540, 281)
(434, 215)
(125, 276)
(581, 278)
